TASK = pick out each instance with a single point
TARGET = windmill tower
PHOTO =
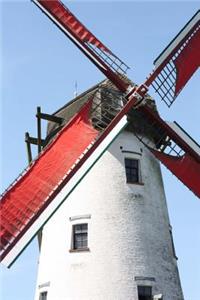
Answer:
(112, 238)
(100, 128)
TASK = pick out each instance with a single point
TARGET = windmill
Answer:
(118, 82)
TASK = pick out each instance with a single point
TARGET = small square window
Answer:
(43, 296)
(80, 237)
(132, 170)
(144, 292)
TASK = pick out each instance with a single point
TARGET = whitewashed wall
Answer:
(128, 228)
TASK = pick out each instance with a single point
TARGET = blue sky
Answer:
(39, 67)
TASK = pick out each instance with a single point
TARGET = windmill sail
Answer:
(96, 51)
(178, 62)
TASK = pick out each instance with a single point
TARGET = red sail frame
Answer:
(178, 62)
(67, 19)
(110, 66)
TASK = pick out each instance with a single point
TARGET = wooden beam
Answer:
(39, 138)
(28, 147)
(48, 117)
(34, 141)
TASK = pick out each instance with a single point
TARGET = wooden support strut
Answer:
(39, 141)
(48, 117)
(29, 153)
(34, 141)
(39, 134)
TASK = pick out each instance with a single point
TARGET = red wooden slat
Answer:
(69, 20)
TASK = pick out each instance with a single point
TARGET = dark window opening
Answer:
(80, 237)
(132, 170)
(43, 296)
(144, 292)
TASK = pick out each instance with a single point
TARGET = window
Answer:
(80, 237)
(43, 296)
(132, 170)
(144, 292)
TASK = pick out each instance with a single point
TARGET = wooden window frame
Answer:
(74, 246)
(132, 178)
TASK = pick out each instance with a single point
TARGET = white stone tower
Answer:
(112, 238)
